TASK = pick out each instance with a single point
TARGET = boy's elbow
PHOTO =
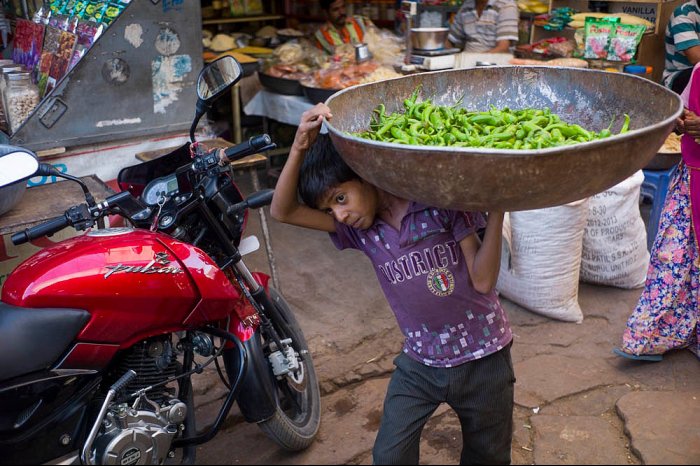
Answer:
(484, 286)
(277, 213)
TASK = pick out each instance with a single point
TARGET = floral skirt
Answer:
(666, 316)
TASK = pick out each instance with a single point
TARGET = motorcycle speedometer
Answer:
(156, 189)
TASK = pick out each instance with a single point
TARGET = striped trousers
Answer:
(480, 392)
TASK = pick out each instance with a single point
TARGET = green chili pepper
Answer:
(484, 119)
(386, 127)
(425, 116)
(458, 134)
(398, 133)
(626, 124)
(436, 120)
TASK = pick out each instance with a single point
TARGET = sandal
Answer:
(640, 357)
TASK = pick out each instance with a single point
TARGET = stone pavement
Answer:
(576, 402)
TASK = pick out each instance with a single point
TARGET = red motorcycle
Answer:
(102, 333)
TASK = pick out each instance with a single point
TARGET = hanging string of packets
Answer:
(424, 123)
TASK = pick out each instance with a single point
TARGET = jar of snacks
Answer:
(21, 98)
(6, 66)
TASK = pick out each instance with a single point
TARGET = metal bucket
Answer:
(509, 180)
(11, 195)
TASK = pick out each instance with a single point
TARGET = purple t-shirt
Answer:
(425, 279)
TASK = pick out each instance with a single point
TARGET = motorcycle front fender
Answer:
(256, 398)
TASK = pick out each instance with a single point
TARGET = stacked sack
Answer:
(600, 240)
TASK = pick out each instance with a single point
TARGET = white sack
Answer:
(615, 238)
(541, 260)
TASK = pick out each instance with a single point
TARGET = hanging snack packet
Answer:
(87, 32)
(114, 9)
(597, 34)
(624, 40)
(52, 38)
(56, 6)
(94, 11)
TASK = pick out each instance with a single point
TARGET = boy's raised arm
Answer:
(285, 206)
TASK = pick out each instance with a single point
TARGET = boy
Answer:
(439, 281)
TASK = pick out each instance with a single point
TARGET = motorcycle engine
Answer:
(134, 436)
(142, 433)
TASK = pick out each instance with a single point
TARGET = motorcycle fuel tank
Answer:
(134, 283)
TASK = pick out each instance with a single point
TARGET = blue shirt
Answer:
(425, 279)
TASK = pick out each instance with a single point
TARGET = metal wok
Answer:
(509, 180)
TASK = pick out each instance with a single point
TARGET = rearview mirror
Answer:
(17, 165)
(213, 81)
(217, 77)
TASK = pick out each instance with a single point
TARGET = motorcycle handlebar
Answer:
(47, 228)
(251, 146)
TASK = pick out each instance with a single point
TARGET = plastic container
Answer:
(639, 70)
(21, 98)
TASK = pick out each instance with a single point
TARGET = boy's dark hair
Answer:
(326, 4)
(323, 168)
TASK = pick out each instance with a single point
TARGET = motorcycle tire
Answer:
(294, 424)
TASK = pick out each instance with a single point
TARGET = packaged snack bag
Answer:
(94, 11)
(114, 9)
(597, 34)
(87, 32)
(624, 40)
(24, 42)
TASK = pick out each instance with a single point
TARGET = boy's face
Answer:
(353, 203)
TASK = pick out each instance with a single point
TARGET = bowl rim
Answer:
(549, 151)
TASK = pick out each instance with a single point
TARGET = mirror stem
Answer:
(46, 169)
(201, 110)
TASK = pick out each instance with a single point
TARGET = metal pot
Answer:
(11, 195)
(428, 38)
(508, 180)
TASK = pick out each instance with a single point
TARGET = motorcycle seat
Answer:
(33, 339)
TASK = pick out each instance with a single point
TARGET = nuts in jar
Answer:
(21, 98)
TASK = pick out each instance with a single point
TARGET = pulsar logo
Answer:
(160, 258)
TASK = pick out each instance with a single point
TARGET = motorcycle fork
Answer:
(255, 293)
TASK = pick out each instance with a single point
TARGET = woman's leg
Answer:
(666, 315)
(415, 391)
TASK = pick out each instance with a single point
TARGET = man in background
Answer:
(339, 28)
(485, 26)
(682, 46)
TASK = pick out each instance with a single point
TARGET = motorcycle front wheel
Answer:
(296, 414)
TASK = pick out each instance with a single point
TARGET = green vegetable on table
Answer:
(424, 123)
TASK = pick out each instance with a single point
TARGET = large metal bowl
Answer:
(509, 180)
(428, 38)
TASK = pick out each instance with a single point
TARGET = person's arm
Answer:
(502, 46)
(506, 27)
(484, 258)
(285, 205)
(693, 54)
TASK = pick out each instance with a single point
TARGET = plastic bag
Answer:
(624, 40)
(597, 35)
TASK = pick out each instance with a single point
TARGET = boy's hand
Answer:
(310, 126)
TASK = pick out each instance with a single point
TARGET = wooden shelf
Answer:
(650, 50)
(242, 19)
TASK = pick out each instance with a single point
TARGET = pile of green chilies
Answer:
(426, 124)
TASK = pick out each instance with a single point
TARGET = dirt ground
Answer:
(576, 402)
